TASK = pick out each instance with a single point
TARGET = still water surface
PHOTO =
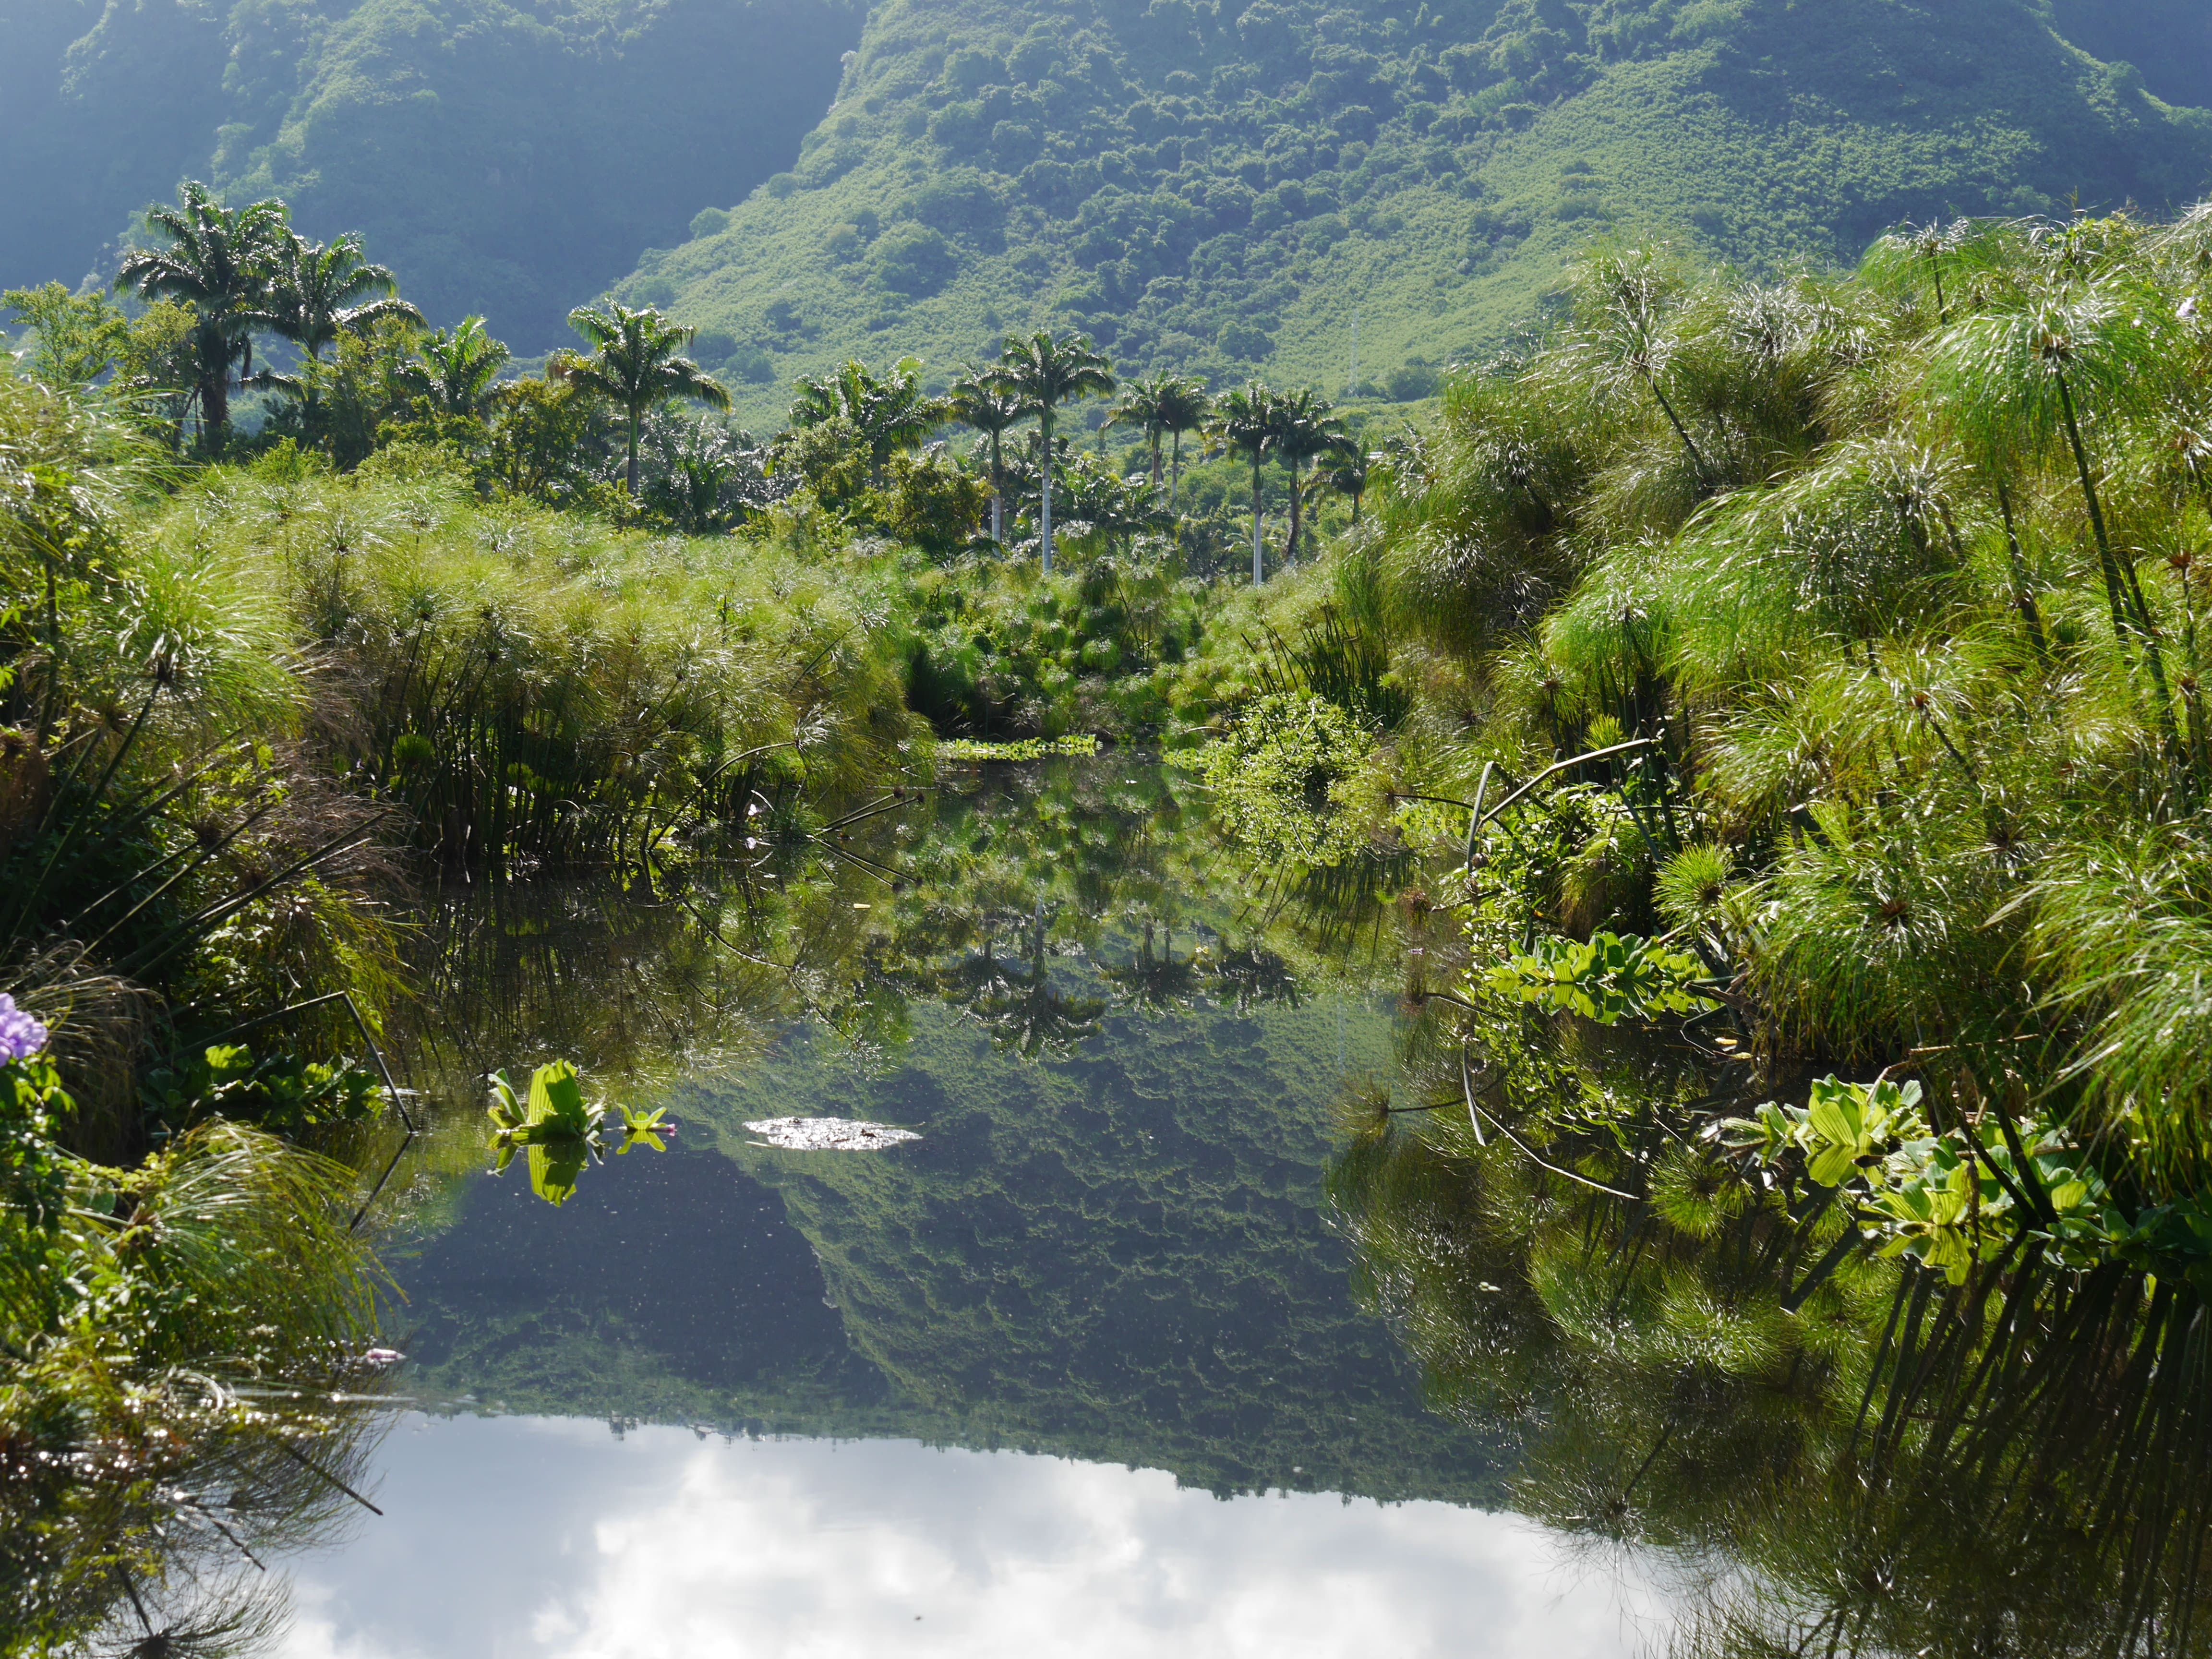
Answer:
(1079, 1371)
(1095, 1365)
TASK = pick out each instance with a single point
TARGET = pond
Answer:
(1179, 1325)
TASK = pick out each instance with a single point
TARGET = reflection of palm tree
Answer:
(1032, 1014)
(1250, 976)
(1155, 981)
(980, 975)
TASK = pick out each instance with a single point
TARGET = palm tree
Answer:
(891, 414)
(637, 364)
(1183, 406)
(1161, 407)
(319, 293)
(1347, 475)
(220, 262)
(1244, 423)
(456, 371)
(1043, 374)
(1306, 429)
(981, 401)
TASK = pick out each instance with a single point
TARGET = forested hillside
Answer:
(507, 159)
(1216, 188)
(1211, 188)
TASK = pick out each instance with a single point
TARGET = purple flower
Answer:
(21, 1036)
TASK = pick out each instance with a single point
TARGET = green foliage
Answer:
(558, 1132)
(1607, 978)
(279, 1092)
(1021, 748)
(357, 402)
(79, 336)
(196, 1318)
(933, 505)
(999, 651)
(1879, 597)
(360, 117)
(546, 688)
(1214, 194)
(1709, 1366)
(1286, 780)
(34, 1173)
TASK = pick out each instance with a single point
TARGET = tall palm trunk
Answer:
(629, 472)
(998, 494)
(1156, 459)
(1297, 502)
(1044, 517)
(1174, 472)
(1258, 574)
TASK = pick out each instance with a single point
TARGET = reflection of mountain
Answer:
(666, 1287)
(1121, 1256)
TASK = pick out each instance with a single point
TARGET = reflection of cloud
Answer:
(514, 1538)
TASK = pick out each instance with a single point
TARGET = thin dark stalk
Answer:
(1556, 766)
(1838, 1253)
(69, 835)
(313, 1467)
(206, 856)
(2023, 597)
(1697, 457)
(1531, 1154)
(400, 1151)
(2119, 580)
(145, 961)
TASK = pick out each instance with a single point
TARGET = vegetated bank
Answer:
(1806, 677)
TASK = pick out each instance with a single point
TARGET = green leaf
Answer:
(1832, 1165)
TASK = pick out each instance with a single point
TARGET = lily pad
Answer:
(828, 1134)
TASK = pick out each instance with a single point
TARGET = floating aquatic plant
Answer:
(559, 1132)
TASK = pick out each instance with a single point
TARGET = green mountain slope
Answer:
(504, 157)
(1222, 189)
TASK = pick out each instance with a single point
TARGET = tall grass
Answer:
(538, 688)
(1901, 572)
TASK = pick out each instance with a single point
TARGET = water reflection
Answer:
(1858, 1458)
(1113, 1245)
(523, 1537)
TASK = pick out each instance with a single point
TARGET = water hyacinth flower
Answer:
(21, 1036)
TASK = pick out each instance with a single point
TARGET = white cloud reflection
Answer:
(515, 1537)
